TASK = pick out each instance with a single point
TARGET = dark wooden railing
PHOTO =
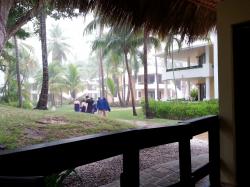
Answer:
(185, 68)
(28, 165)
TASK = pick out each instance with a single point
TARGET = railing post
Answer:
(131, 174)
(185, 163)
(214, 155)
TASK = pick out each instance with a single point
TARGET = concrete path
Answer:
(166, 174)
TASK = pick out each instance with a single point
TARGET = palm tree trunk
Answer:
(118, 92)
(145, 65)
(20, 102)
(156, 75)
(173, 72)
(61, 97)
(101, 64)
(130, 82)
(128, 95)
(123, 82)
(53, 102)
(101, 72)
(43, 98)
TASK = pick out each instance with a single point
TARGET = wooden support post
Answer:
(185, 163)
(214, 156)
(131, 174)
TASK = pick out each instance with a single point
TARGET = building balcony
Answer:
(205, 70)
(150, 86)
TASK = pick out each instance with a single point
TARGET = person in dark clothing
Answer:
(90, 102)
(94, 108)
(77, 106)
(83, 106)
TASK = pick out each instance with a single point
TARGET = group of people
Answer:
(89, 105)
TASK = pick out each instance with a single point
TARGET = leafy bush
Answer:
(182, 110)
(56, 179)
(194, 94)
(26, 104)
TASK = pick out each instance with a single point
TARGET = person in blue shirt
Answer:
(102, 106)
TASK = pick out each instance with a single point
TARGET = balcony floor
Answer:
(167, 173)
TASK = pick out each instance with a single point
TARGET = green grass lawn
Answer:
(119, 113)
(19, 127)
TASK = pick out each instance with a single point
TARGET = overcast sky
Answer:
(73, 30)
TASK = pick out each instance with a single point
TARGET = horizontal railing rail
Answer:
(184, 68)
(48, 158)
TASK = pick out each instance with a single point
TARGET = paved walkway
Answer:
(166, 174)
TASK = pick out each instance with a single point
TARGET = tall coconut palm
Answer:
(28, 62)
(169, 48)
(113, 61)
(20, 102)
(56, 82)
(43, 98)
(25, 67)
(57, 44)
(147, 40)
(72, 80)
(93, 25)
(122, 39)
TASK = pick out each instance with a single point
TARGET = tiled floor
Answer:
(167, 173)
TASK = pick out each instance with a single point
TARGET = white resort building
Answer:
(194, 67)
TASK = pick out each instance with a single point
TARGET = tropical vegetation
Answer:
(182, 110)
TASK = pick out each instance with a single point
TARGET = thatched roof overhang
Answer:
(193, 18)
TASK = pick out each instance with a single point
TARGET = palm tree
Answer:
(57, 44)
(43, 98)
(28, 62)
(56, 82)
(156, 75)
(123, 40)
(113, 63)
(147, 40)
(97, 22)
(72, 80)
(26, 66)
(20, 102)
(111, 87)
(169, 48)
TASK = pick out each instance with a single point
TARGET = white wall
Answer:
(205, 71)
(216, 80)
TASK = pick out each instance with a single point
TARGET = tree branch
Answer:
(24, 19)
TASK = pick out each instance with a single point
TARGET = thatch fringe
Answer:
(193, 18)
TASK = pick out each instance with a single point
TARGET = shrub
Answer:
(182, 110)
(194, 94)
(26, 104)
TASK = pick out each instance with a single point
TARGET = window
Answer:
(151, 79)
(159, 79)
(139, 94)
(140, 79)
(201, 59)
(151, 94)
(160, 94)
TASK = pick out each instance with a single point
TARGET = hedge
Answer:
(182, 110)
